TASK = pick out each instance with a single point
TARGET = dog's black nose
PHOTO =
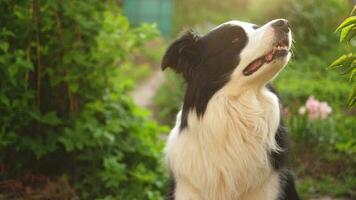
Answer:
(282, 25)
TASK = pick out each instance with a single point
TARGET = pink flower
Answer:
(312, 104)
(315, 109)
(313, 115)
(324, 109)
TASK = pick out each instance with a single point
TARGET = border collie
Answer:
(229, 142)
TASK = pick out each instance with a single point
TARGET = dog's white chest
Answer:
(225, 152)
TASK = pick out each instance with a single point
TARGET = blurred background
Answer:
(85, 109)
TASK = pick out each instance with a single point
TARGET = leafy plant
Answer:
(64, 104)
(346, 64)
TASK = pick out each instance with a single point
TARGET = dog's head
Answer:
(233, 57)
(238, 52)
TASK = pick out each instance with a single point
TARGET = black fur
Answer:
(206, 64)
(171, 189)
(288, 190)
(279, 159)
(183, 55)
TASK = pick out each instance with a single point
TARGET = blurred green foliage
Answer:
(210, 11)
(312, 24)
(327, 185)
(63, 99)
(169, 97)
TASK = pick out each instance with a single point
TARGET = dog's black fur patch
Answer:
(278, 159)
(206, 63)
(288, 190)
(171, 189)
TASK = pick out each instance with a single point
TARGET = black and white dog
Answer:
(229, 142)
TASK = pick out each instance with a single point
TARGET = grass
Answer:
(327, 186)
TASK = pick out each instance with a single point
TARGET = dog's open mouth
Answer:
(279, 50)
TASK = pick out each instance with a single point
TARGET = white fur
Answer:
(224, 154)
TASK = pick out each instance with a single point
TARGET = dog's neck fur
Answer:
(225, 151)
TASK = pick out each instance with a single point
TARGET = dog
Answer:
(229, 141)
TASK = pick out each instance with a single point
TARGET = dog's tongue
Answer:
(256, 64)
(253, 66)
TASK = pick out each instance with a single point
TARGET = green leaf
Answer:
(348, 68)
(74, 87)
(114, 172)
(7, 33)
(352, 97)
(348, 33)
(4, 100)
(348, 21)
(49, 118)
(353, 12)
(4, 46)
(343, 62)
(353, 74)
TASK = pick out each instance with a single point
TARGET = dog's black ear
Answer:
(183, 54)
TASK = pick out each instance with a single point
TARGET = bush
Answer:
(63, 99)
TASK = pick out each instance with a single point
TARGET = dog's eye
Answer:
(255, 27)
